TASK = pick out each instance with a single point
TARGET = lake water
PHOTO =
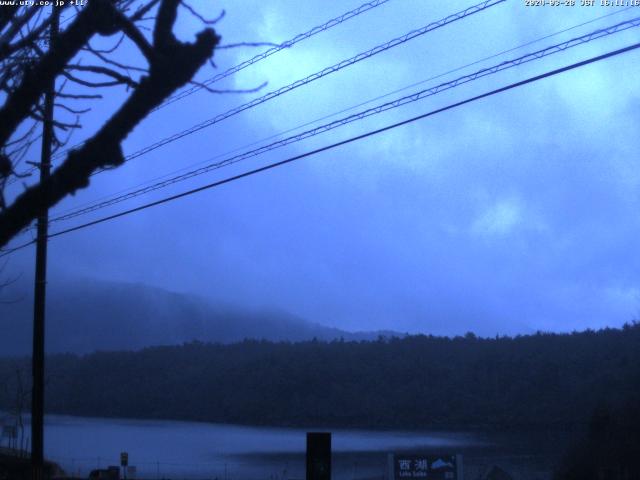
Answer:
(190, 450)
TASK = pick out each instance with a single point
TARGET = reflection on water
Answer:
(204, 450)
(169, 449)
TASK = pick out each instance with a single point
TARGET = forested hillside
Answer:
(413, 382)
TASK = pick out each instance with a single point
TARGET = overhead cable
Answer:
(338, 144)
(420, 95)
(317, 75)
(365, 7)
(348, 109)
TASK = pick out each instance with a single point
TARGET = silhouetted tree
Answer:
(29, 63)
(611, 449)
(13, 385)
(542, 381)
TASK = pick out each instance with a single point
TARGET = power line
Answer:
(286, 44)
(326, 71)
(316, 76)
(457, 69)
(365, 7)
(343, 142)
(353, 107)
(355, 138)
(420, 95)
(9, 251)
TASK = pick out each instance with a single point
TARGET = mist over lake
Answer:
(197, 450)
(191, 450)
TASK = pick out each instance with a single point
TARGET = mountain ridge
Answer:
(85, 315)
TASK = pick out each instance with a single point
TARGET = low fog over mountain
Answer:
(88, 315)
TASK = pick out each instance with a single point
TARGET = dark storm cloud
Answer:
(513, 214)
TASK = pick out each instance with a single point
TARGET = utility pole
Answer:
(37, 394)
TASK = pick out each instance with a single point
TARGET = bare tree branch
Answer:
(16, 27)
(7, 14)
(110, 61)
(172, 64)
(193, 12)
(131, 31)
(118, 77)
(7, 49)
(109, 50)
(142, 11)
(20, 101)
(71, 110)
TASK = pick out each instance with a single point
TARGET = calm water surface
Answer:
(190, 450)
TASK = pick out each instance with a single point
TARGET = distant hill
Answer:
(89, 315)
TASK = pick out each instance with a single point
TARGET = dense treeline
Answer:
(610, 449)
(415, 381)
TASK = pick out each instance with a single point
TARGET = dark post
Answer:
(37, 395)
(318, 456)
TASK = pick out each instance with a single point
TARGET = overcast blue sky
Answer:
(515, 213)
